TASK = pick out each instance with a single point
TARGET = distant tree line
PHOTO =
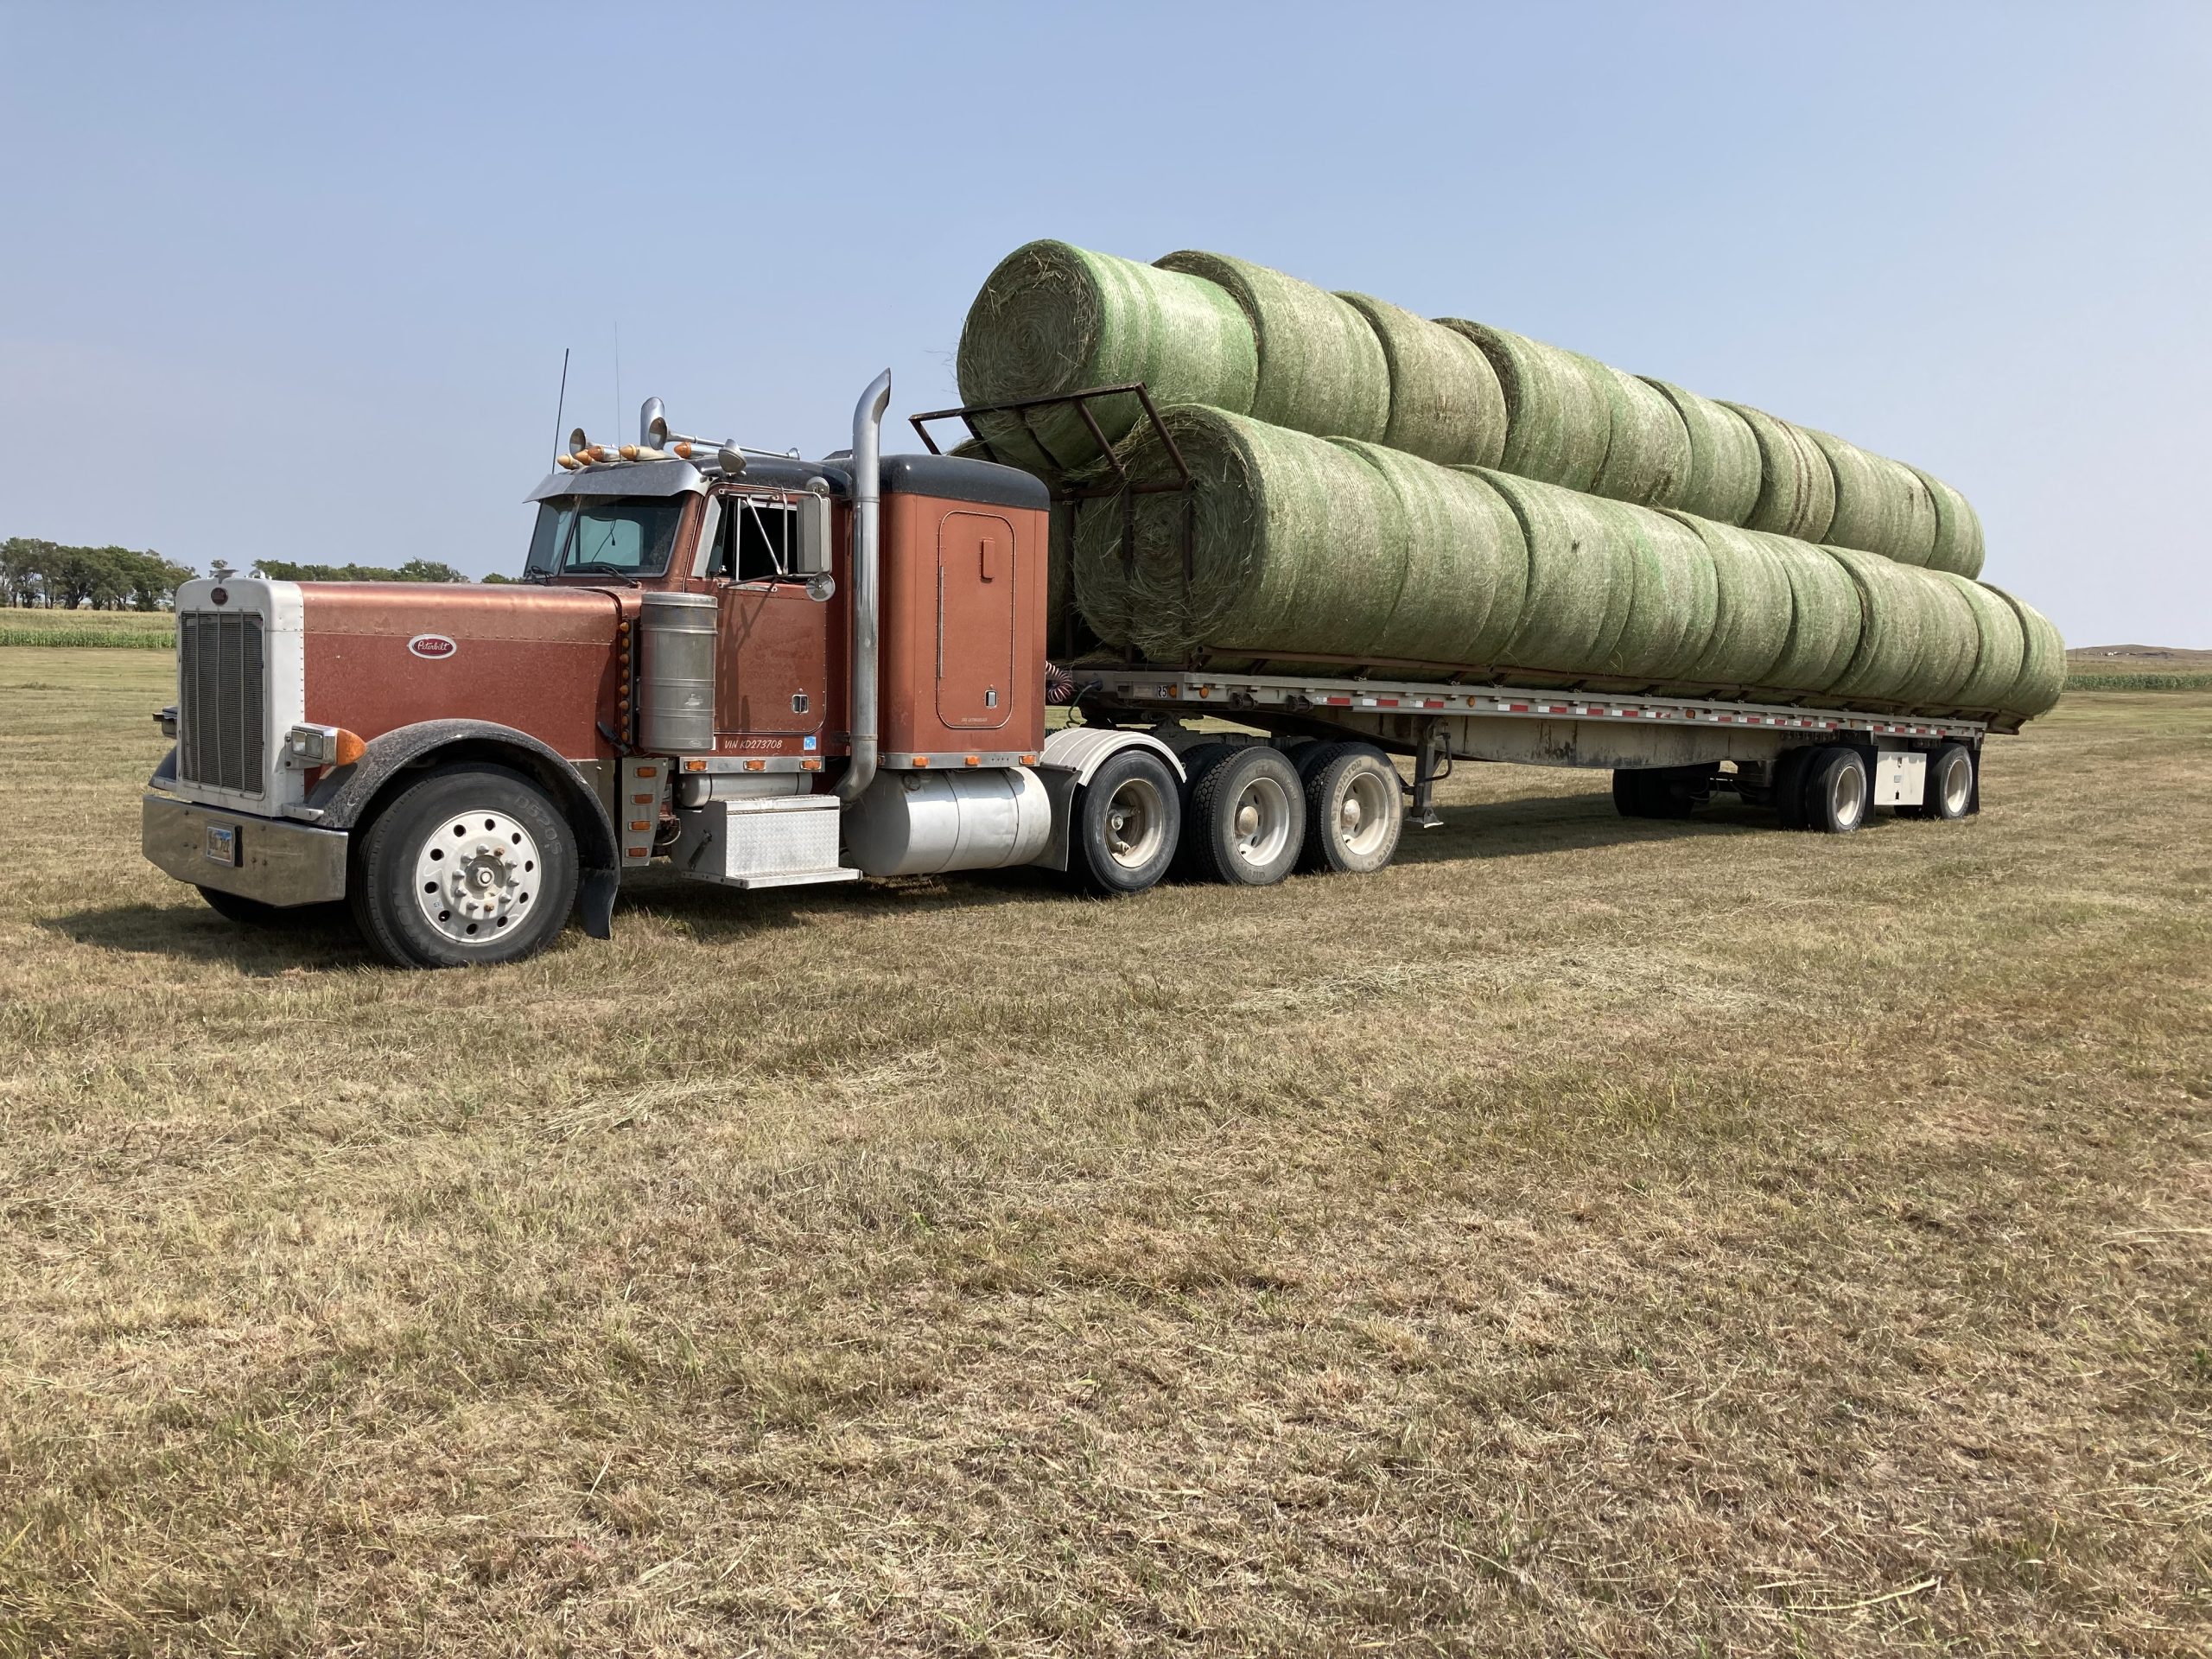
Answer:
(45, 574)
(413, 570)
(36, 574)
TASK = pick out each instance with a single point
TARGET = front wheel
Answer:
(474, 864)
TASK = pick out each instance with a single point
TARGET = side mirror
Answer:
(811, 557)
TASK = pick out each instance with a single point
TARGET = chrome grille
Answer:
(221, 701)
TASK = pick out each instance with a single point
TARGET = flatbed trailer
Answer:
(1667, 754)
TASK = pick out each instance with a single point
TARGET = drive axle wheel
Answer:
(474, 864)
(1126, 824)
(1248, 815)
(1354, 810)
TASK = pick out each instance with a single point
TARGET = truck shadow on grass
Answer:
(324, 938)
(321, 936)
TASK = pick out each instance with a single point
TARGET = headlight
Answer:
(307, 746)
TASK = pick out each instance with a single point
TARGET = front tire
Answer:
(474, 865)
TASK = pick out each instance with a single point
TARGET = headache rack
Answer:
(1085, 481)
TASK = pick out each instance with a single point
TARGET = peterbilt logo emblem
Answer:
(433, 645)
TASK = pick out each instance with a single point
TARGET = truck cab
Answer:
(757, 670)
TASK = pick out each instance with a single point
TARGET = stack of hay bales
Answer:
(1447, 498)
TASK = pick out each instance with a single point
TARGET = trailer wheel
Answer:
(1355, 810)
(474, 864)
(1248, 818)
(1127, 822)
(1657, 791)
(1836, 791)
(1789, 787)
(1950, 788)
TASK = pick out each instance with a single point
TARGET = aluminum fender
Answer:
(344, 796)
(1083, 749)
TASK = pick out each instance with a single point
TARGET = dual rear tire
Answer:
(1245, 814)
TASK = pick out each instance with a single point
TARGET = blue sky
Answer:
(296, 281)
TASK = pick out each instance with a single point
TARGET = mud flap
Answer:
(595, 899)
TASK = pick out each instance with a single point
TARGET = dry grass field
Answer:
(1588, 1237)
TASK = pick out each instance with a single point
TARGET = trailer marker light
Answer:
(641, 800)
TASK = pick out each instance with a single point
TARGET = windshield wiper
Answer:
(600, 567)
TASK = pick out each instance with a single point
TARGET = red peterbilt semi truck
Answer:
(761, 672)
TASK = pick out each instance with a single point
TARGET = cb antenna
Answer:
(561, 408)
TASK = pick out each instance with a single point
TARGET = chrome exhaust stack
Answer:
(868, 492)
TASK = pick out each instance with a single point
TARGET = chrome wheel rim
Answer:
(1363, 817)
(1260, 821)
(476, 876)
(1847, 795)
(1136, 819)
(1956, 784)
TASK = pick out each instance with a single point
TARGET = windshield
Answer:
(589, 536)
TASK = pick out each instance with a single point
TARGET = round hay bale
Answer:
(1446, 405)
(2043, 662)
(1824, 617)
(1724, 479)
(1881, 505)
(1648, 455)
(1951, 647)
(1300, 545)
(1752, 611)
(1902, 649)
(1958, 529)
(1466, 569)
(2001, 645)
(1054, 318)
(1320, 368)
(1558, 419)
(1581, 582)
(1675, 599)
(1797, 487)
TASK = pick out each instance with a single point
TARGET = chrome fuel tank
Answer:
(927, 822)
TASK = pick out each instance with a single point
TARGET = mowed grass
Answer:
(1585, 1237)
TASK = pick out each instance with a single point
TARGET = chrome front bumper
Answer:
(273, 860)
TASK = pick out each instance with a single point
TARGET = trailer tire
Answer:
(1789, 787)
(1951, 788)
(1657, 791)
(1127, 823)
(1837, 790)
(1246, 824)
(474, 865)
(1355, 810)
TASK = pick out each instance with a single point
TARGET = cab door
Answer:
(773, 675)
(975, 611)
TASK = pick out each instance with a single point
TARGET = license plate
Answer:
(223, 843)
